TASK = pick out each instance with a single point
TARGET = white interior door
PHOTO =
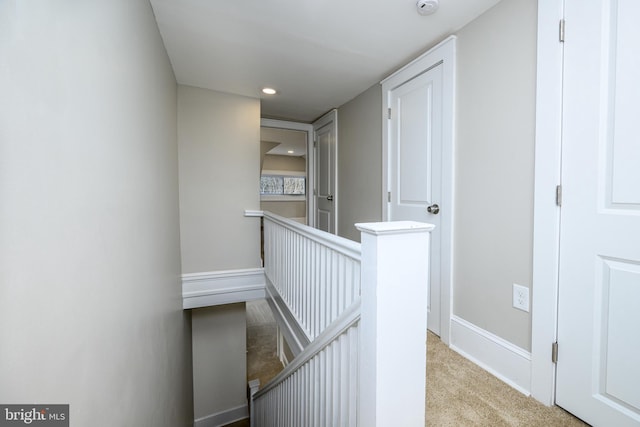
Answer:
(415, 166)
(598, 368)
(326, 139)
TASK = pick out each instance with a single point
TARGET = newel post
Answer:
(393, 325)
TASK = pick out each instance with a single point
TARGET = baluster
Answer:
(328, 375)
(345, 379)
(341, 283)
(306, 285)
(318, 289)
(337, 383)
(300, 275)
(322, 379)
(333, 289)
(286, 266)
(322, 292)
(303, 273)
(313, 321)
(316, 393)
(354, 369)
(296, 280)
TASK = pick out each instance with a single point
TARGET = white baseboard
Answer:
(499, 357)
(223, 417)
(222, 287)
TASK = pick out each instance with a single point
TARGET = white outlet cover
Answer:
(520, 297)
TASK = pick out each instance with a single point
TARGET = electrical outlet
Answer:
(521, 297)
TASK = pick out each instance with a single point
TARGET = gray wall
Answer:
(90, 297)
(219, 151)
(286, 209)
(284, 163)
(494, 168)
(219, 359)
(495, 123)
(360, 162)
(219, 146)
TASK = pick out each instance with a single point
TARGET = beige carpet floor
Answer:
(459, 393)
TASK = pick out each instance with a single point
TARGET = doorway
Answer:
(286, 170)
(599, 264)
(586, 256)
(418, 163)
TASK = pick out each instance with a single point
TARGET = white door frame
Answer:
(444, 53)
(546, 214)
(328, 117)
(283, 124)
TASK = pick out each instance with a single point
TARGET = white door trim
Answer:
(330, 116)
(283, 124)
(444, 53)
(546, 217)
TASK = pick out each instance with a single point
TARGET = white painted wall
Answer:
(360, 162)
(219, 146)
(494, 161)
(90, 298)
(217, 390)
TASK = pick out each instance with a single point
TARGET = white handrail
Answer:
(349, 318)
(320, 387)
(340, 244)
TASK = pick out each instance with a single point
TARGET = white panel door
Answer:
(598, 369)
(415, 169)
(326, 138)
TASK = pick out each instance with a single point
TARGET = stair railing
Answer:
(363, 309)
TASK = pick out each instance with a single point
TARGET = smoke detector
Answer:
(427, 7)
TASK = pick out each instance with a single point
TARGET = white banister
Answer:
(364, 310)
(393, 344)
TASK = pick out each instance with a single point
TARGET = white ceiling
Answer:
(318, 54)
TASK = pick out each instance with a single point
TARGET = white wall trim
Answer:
(223, 417)
(499, 357)
(222, 287)
(311, 169)
(546, 215)
(445, 53)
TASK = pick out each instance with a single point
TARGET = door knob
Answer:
(433, 209)
(330, 197)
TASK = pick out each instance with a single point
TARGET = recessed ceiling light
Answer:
(269, 91)
(290, 151)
